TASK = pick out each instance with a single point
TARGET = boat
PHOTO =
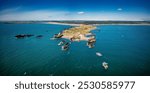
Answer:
(90, 44)
(52, 38)
(65, 47)
(61, 43)
(98, 54)
(92, 40)
(25, 73)
(105, 65)
(59, 35)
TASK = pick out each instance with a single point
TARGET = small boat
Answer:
(105, 65)
(59, 35)
(52, 38)
(61, 43)
(92, 40)
(25, 73)
(91, 46)
(99, 54)
(65, 47)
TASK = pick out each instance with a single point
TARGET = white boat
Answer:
(98, 54)
(60, 43)
(25, 73)
(105, 65)
(52, 38)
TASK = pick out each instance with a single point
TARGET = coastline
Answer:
(57, 23)
(95, 24)
(124, 24)
(78, 23)
(76, 34)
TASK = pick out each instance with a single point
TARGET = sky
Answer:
(127, 10)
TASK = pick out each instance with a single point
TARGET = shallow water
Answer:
(126, 49)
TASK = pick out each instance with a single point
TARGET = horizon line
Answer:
(71, 20)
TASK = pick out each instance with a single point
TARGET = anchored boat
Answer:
(61, 43)
(98, 54)
(65, 47)
(105, 65)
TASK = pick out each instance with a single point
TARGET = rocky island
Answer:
(78, 33)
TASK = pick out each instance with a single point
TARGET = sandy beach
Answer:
(124, 24)
(63, 23)
(58, 23)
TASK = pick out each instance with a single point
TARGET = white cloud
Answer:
(119, 9)
(10, 10)
(81, 12)
(17, 15)
(32, 15)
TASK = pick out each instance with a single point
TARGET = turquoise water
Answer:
(125, 48)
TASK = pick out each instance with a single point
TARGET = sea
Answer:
(126, 49)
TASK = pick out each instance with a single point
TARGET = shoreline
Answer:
(57, 23)
(123, 24)
(94, 24)
(72, 23)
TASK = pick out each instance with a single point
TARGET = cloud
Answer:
(119, 9)
(15, 14)
(10, 10)
(81, 12)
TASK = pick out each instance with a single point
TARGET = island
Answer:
(78, 33)
(81, 32)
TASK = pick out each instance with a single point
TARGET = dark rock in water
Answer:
(23, 36)
(20, 36)
(29, 35)
(39, 36)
